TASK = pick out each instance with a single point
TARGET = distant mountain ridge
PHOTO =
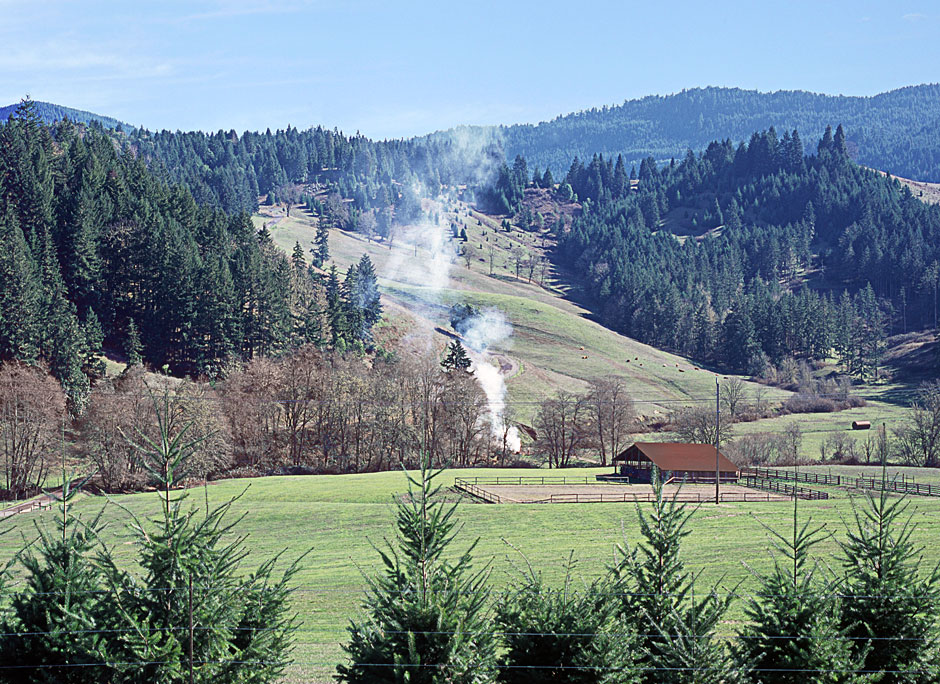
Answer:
(50, 113)
(894, 131)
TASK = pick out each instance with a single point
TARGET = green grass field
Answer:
(339, 517)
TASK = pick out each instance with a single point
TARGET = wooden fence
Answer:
(905, 485)
(472, 486)
(902, 487)
(793, 476)
(784, 488)
(649, 497)
(525, 480)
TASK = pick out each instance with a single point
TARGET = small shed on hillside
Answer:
(676, 461)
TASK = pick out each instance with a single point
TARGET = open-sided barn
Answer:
(676, 462)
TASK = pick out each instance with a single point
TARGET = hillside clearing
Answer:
(552, 334)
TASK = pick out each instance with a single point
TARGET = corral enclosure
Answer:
(535, 490)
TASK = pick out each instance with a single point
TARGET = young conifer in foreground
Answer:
(569, 635)
(676, 630)
(794, 635)
(193, 615)
(428, 621)
(60, 627)
(890, 609)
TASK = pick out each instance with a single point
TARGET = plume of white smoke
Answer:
(437, 254)
(470, 154)
(480, 332)
(485, 329)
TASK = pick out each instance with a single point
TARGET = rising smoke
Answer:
(480, 332)
(468, 154)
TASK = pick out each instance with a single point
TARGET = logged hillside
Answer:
(894, 131)
(556, 345)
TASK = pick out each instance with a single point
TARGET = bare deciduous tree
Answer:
(918, 439)
(337, 210)
(732, 395)
(32, 408)
(612, 415)
(367, 224)
(561, 428)
(289, 194)
(696, 424)
(115, 409)
(518, 255)
(790, 443)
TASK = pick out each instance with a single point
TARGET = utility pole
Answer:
(717, 428)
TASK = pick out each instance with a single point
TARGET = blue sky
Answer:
(403, 68)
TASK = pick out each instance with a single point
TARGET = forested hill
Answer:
(752, 255)
(49, 113)
(895, 131)
(97, 252)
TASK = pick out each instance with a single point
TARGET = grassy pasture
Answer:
(340, 517)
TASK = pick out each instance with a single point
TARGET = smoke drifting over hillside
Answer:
(487, 328)
(429, 253)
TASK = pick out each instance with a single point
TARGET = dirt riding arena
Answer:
(532, 490)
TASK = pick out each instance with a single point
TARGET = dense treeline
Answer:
(96, 252)
(764, 220)
(868, 616)
(229, 171)
(893, 131)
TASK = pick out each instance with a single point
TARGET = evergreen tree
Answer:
(568, 635)
(891, 605)
(366, 296)
(548, 181)
(63, 622)
(82, 265)
(838, 143)
(676, 629)
(825, 145)
(427, 621)
(191, 575)
(335, 309)
(354, 315)
(93, 366)
(321, 245)
(297, 260)
(19, 294)
(740, 349)
(456, 357)
(63, 342)
(132, 345)
(794, 633)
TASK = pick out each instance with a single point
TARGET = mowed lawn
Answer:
(338, 518)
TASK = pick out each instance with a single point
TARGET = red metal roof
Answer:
(681, 456)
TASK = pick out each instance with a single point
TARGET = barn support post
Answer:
(717, 428)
